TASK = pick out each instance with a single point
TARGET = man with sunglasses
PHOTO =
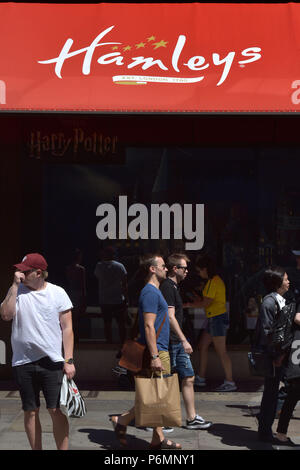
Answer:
(153, 313)
(179, 348)
(41, 324)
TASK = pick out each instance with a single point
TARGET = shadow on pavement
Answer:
(107, 440)
(250, 411)
(238, 436)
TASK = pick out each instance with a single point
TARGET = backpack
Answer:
(282, 334)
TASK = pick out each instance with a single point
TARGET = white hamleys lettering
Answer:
(177, 60)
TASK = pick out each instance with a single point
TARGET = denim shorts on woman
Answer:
(180, 361)
(42, 375)
(218, 325)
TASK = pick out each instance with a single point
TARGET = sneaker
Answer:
(198, 423)
(118, 370)
(226, 387)
(200, 381)
(166, 429)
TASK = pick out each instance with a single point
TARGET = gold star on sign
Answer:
(115, 48)
(160, 44)
(151, 38)
(127, 48)
(141, 44)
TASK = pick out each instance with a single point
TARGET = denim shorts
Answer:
(218, 326)
(180, 361)
(42, 375)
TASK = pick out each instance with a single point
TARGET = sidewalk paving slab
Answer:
(234, 424)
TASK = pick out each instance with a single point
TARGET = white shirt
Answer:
(36, 330)
(280, 300)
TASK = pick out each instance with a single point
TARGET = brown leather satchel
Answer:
(133, 353)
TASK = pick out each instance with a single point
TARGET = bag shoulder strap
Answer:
(161, 325)
(158, 331)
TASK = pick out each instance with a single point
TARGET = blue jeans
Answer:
(269, 404)
(180, 361)
(218, 325)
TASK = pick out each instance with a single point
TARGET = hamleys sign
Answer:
(150, 57)
(124, 56)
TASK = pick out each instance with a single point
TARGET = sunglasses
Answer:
(182, 267)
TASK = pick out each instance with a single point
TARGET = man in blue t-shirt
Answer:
(153, 315)
(153, 312)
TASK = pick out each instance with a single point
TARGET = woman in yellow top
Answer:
(214, 303)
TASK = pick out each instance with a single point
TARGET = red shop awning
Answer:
(150, 57)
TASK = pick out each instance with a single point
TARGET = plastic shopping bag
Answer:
(71, 402)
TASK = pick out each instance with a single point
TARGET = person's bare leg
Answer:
(125, 418)
(33, 428)
(220, 346)
(187, 389)
(157, 436)
(203, 346)
(60, 428)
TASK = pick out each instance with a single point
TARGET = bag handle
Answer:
(161, 375)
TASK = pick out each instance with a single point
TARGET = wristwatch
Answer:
(69, 361)
(154, 356)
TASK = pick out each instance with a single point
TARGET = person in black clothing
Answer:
(277, 284)
(179, 348)
(292, 374)
(293, 295)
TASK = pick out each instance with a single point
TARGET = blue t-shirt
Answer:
(152, 301)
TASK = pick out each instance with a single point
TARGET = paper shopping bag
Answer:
(157, 401)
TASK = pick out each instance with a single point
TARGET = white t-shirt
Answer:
(36, 330)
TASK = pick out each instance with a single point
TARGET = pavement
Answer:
(232, 413)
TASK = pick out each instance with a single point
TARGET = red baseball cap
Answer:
(32, 261)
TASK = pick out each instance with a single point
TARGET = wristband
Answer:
(70, 361)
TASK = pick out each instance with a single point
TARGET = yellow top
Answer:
(215, 289)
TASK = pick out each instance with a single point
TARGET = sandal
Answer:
(120, 432)
(166, 445)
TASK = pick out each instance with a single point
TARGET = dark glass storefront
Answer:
(243, 170)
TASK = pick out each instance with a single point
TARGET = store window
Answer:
(251, 219)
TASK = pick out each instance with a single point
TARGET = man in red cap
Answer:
(41, 324)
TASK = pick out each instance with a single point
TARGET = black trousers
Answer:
(268, 404)
(293, 396)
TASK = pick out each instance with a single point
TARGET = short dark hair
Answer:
(108, 253)
(273, 278)
(174, 259)
(206, 261)
(146, 261)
